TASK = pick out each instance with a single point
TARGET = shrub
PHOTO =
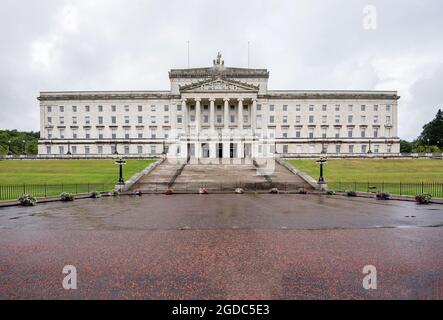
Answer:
(96, 194)
(66, 197)
(302, 191)
(351, 193)
(383, 196)
(274, 191)
(115, 193)
(137, 193)
(203, 191)
(330, 192)
(423, 198)
(239, 191)
(169, 191)
(27, 200)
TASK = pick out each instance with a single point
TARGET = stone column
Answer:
(240, 114)
(226, 113)
(254, 115)
(185, 116)
(212, 113)
(197, 114)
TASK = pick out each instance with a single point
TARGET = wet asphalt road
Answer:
(222, 247)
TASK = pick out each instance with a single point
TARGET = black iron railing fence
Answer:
(396, 188)
(14, 191)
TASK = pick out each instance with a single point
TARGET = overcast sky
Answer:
(131, 45)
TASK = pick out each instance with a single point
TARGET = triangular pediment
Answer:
(219, 85)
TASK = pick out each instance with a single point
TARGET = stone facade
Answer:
(219, 112)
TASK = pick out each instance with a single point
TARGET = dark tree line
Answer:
(15, 142)
(430, 140)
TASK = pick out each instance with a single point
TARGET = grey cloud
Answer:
(119, 45)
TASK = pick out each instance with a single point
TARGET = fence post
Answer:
(24, 188)
(46, 190)
(400, 189)
(422, 187)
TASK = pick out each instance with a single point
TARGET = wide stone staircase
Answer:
(257, 176)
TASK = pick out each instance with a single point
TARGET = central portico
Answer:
(219, 113)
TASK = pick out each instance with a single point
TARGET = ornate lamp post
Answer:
(120, 162)
(370, 151)
(9, 148)
(321, 162)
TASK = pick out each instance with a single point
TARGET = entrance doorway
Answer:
(219, 150)
(233, 150)
(205, 149)
(248, 150)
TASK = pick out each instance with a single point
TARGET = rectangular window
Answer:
(87, 150)
(139, 149)
(350, 119)
(205, 119)
(311, 119)
(364, 148)
(87, 108)
(153, 108)
(127, 136)
(179, 119)
(337, 148)
(48, 150)
(100, 149)
(311, 133)
(271, 107)
(297, 107)
(297, 119)
(285, 119)
(324, 107)
(363, 119)
(153, 120)
(337, 119)
(140, 108)
(62, 109)
(337, 133)
(285, 148)
(100, 134)
(166, 108)
(179, 107)
(126, 149)
(376, 133)
(232, 119)
(388, 119)
(49, 134)
(113, 119)
(285, 108)
(311, 108)
(219, 119)
(166, 119)
(153, 149)
(350, 133)
(363, 108)
(376, 148)
(350, 108)
(363, 133)
(62, 120)
(324, 133)
(298, 133)
(126, 108)
(388, 108)
(337, 107)
(61, 149)
(245, 119)
(113, 108)
(259, 107)
(74, 108)
(324, 119)
(88, 120)
(62, 134)
(74, 134)
(126, 119)
(140, 119)
(100, 108)
(271, 119)
(376, 108)
(49, 109)
(88, 134)
(351, 148)
(74, 149)
(375, 119)
(100, 120)
(74, 120)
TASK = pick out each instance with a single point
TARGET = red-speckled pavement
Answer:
(222, 247)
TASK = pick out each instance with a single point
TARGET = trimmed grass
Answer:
(403, 177)
(66, 171)
(376, 170)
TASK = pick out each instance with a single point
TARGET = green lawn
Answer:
(379, 170)
(66, 171)
(405, 177)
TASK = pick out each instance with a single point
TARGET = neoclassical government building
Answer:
(219, 112)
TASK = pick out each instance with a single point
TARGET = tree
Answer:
(15, 142)
(405, 146)
(432, 134)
